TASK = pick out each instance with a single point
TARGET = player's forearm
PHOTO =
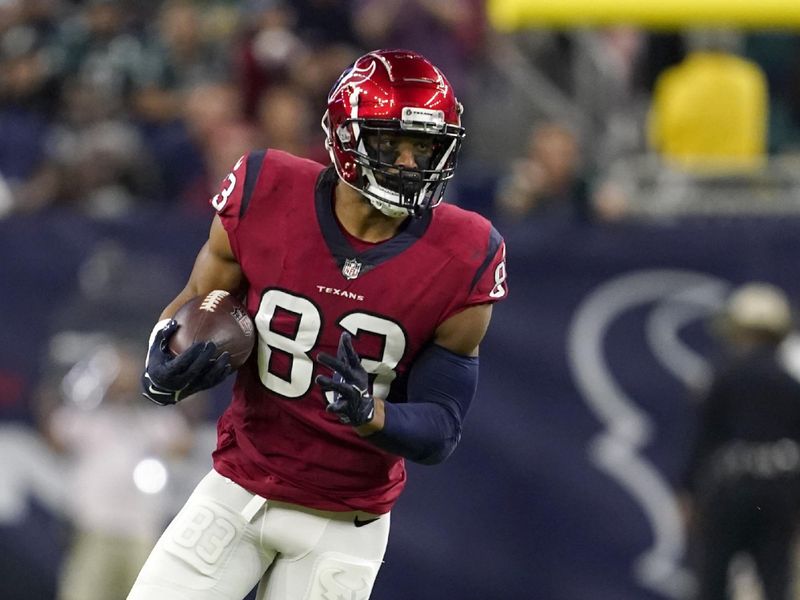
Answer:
(426, 433)
(427, 428)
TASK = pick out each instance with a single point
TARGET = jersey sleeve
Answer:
(489, 283)
(236, 192)
(482, 280)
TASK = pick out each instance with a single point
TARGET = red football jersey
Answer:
(307, 282)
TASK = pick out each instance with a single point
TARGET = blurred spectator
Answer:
(28, 97)
(179, 56)
(317, 68)
(304, 44)
(97, 47)
(116, 445)
(549, 179)
(611, 201)
(218, 131)
(608, 91)
(25, 112)
(316, 17)
(286, 122)
(100, 163)
(184, 52)
(329, 50)
(28, 76)
(709, 113)
(228, 145)
(742, 485)
(270, 51)
(449, 32)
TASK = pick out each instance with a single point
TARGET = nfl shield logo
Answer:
(351, 268)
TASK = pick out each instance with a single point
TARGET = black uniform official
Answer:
(743, 478)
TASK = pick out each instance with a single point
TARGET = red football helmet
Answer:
(384, 95)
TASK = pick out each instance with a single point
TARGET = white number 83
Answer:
(301, 342)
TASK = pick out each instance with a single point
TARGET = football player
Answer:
(370, 299)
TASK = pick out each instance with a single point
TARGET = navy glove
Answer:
(168, 379)
(352, 402)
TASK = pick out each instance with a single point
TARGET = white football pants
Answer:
(225, 541)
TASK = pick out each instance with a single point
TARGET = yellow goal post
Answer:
(511, 15)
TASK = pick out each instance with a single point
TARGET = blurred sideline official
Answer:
(115, 446)
(743, 478)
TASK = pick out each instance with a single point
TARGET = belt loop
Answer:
(252, 507)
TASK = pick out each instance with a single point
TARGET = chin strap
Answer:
(389, 210)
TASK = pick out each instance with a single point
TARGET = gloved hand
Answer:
(352, 402)
(168, 379)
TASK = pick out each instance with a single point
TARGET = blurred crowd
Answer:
(109, 105)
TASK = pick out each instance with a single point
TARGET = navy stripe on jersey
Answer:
(413, 229)
(495, 239)
(253, 168)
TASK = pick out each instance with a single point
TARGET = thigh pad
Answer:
(204, 535)
(337, 576)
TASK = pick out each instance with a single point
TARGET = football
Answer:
(216, 317)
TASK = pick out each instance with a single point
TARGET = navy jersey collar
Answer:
(339, 246)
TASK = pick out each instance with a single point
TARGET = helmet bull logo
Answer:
(352, 78)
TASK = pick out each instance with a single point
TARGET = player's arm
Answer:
(168, 379)
(215, 268)
(460, 335)
(442, 383)
(441, 386)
